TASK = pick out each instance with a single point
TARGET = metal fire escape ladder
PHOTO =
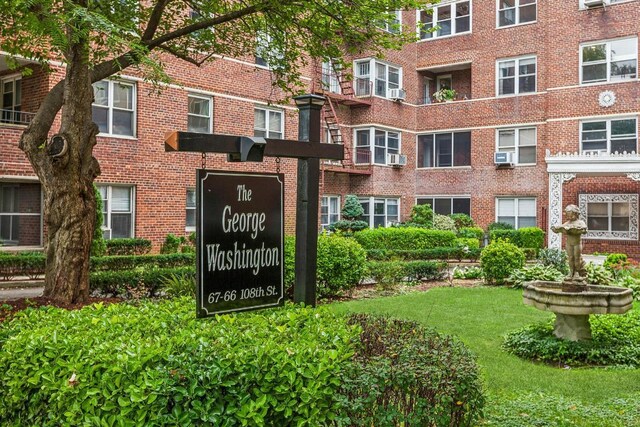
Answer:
(335, 132)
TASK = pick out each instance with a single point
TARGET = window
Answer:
(114, 107)
(268, 123)
(20, 214)
(519, 212)
(384, 143)
(200, 113)
(117, 211)
(449, 19)
(610, 216)
(392, 22)
(609, 136)
(609, 61)
(442, 150)
(446, 205)
(380, 212)
(385, 77)
(11, 99)
(519, 141)
(514, 12)
(330, 80)
(329, 211)
(191, 209)
(444, 82)
(517, 76)
(265, 50)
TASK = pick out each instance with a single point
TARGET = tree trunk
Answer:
(67, 179)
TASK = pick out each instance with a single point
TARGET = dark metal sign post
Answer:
(308, 150)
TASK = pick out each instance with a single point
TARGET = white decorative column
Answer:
(556, 180)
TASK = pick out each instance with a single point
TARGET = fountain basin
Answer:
(572, 308)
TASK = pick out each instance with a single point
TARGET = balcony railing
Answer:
(363, 156)
(431, 100)
(363, 86)
(15, 117)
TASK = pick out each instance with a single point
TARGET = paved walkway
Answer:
(15, 293)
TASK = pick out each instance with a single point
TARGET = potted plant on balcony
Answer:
(444, 95)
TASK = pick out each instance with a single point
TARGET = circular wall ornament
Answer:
(607, 98)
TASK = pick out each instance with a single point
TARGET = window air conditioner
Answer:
(503, 158)
(396, 159)
(397, 94)
(590, 4)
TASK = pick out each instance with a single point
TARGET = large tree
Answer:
(95, 39)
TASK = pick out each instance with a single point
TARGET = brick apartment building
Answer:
(553, 84)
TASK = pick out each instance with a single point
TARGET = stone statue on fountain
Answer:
(573, 228)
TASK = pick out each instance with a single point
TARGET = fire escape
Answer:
(338, 89)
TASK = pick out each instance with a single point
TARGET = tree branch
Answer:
(180, 55)
(154, 20)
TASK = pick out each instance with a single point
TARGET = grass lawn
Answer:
(520, 393)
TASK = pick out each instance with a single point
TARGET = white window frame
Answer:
(372, 76)
(372, 144)
(106, 226)
(372, 201)
(263, 44)
(268, 133)
(434, 21)
(632, 199)
(607, 61)
(453, 133)
(326, 201)
(517, 7)
(188, 208)
(517, 217)
(439, 80)
(607, 3)
(518, 144)
(445, 197)
(210, 112)
(11, 213)
(110, 107)
(390, 26)
(608, 131)
(516, 76)
(14, 110)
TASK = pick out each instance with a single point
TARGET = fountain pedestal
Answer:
(572, 308)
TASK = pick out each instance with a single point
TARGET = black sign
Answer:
(240, 244)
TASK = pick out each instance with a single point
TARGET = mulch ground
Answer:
(10, 307)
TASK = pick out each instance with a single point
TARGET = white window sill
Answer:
(498, 27)
(108, 135)
(444, 168)
(600, 83)
(430, 39)
(515, 95)
(189, 229)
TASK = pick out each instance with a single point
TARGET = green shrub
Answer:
(155, 364)
(405, 375)
(615, 341)
(289, 264)
(462, 220)
(422, 215)
(404, 238)
(348, 226)
(129, 246)
(556, 258)
(510, 235)
(443, 222)
(599, 275)
(179, 285)
(633, 283)
(471, 233)
(534, 272)
(471, 272)
(351, 211)
(467, 242)
(499, 260)
(424, 270)
(341, 264)
(424, 254)
(500, 226)
(531, 237)
(31, 265)
(616, 262)
(98, 245)
(141, 281)
(389, 273)
(171, 244)
(130, 262)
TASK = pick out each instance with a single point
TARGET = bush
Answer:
(341, 265)
(500, 226)
(351, 211)
(510, 235)
(616, 262)
(424, 254)
(424, 270)
(349, 226)
(98, 245)
(155, 364)
(134, 283)
(171, 244)
(179, 285)
(131, 246)
(289, 264)
(534, 272)
(462, 220)
(422, 215)
(615, 341)
(531, 237)
(599, 275)
(130, 262)
(31, 265)
(471, 233)
(443, 222)
(404, 238)
(499, 260)
(389, 273)
(468, 273)
(556, 258)
(404, 374)
(467, 242)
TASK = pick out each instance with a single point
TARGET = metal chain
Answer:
(277, 164)
(204, 160)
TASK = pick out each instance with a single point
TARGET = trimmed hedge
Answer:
(133, 246)
(471, 232)
(526, 237)
(129, 262)
(31, 265)
(341, 265)
(411, 271)
(144, 282)
(404, 238)
(424, 254)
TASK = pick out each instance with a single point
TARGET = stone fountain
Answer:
(573, 300)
